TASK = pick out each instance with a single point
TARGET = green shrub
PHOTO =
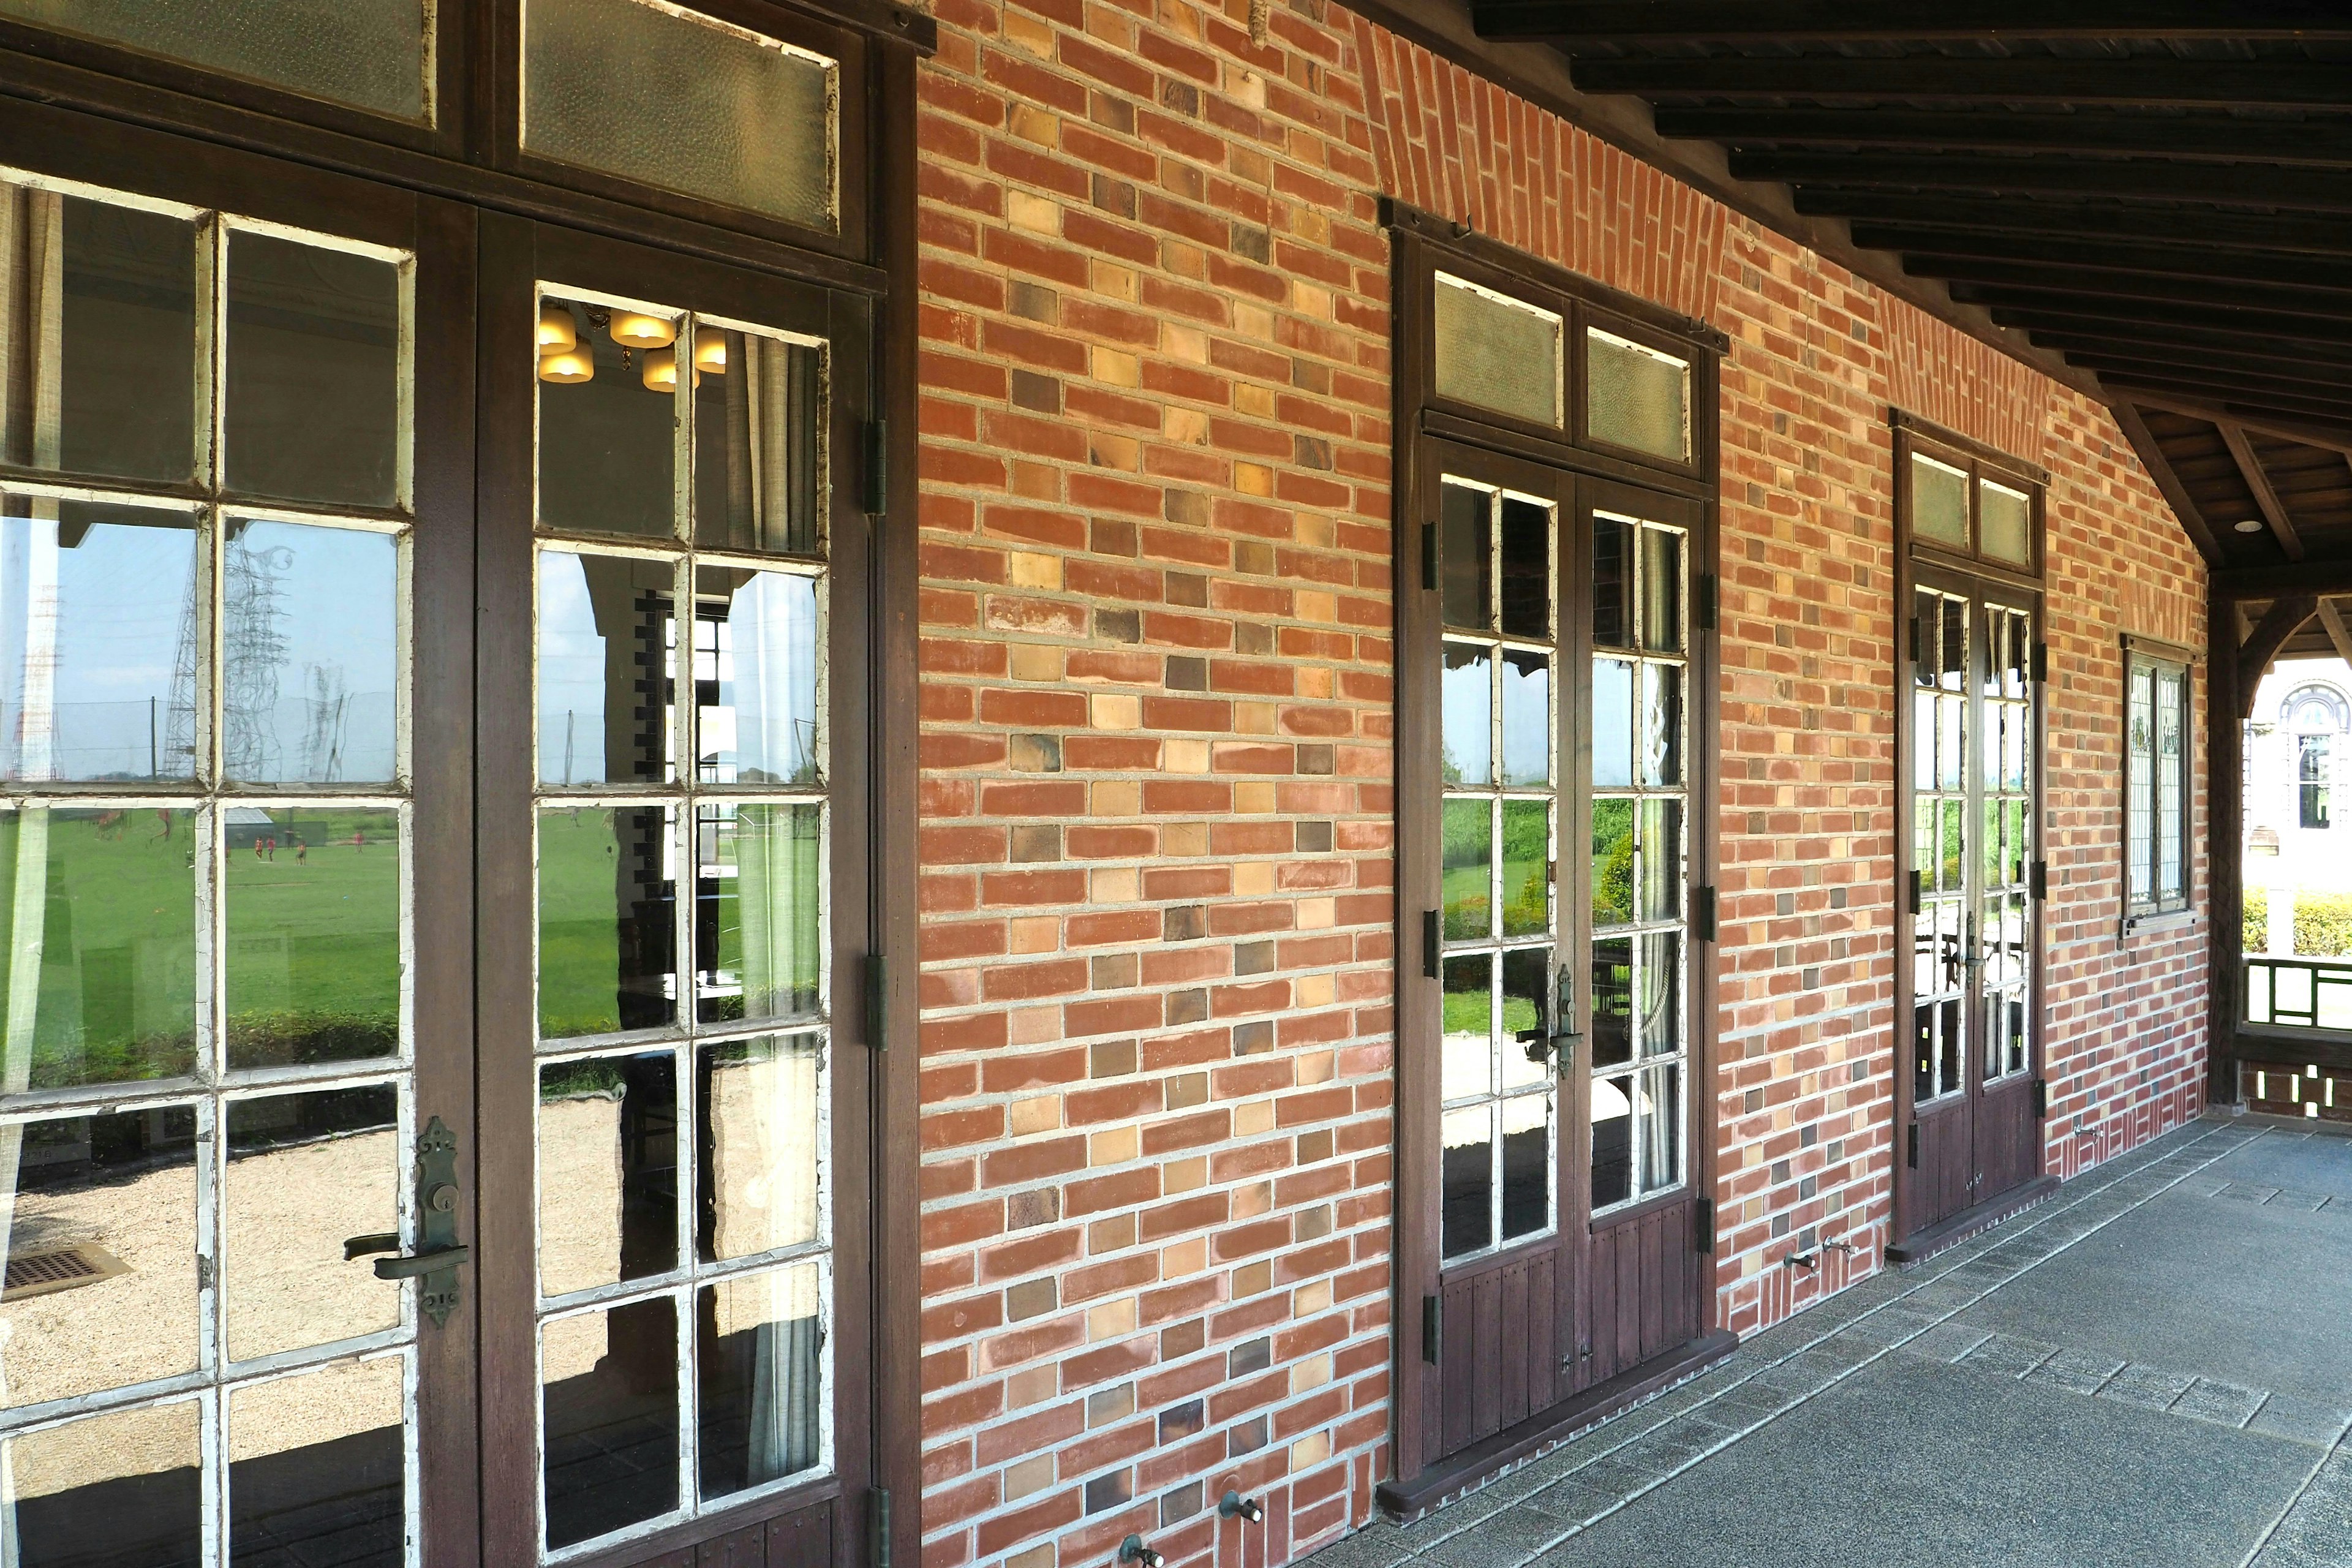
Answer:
(2322, 925)
(2257, 919)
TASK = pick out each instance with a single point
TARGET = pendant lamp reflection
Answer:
(557, 330)
(710, 349)
(661, 371)
(633, 330)
(566, 366)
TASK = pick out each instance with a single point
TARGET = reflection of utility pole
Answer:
(253, 651)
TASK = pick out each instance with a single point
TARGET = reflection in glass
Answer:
(1466, 1222)
(1527, 1164)
(101, 1235)
(1662, 590)
(1526, 868)
(1951, 742)
(1661, 985)
(605, 664)
(1527, 718)
(1662, 724)
(1465, 557)
(755, 677)
(758, 897)
(94, 604)
(1613, 581)
(310, 654)
(1468, 861)
(105, 297)
(1527, 568)
(320, 1454)
(609, 1418)
(1611, 1006)
(755, 437)
(1613, 861)
(1922, 1053)
(1527, 982)
(1661, 859)
(607, 918)
(608, 1170)
(314, 402)
(757, 1344)
(1939, 503)
(1465, 716)
(312, 909)
(607, 445)
(1947, 1043)
(1467, 1061)
(1658, 1102)
(1612, 1141)
(100, 945)
(1612, 723)
(305, 1172)
(757, 1131)
(1949, 866)
(120, 1487)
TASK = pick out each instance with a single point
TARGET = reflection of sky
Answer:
(764, 727)
(1612, 723)
(1463, 694)
(1527, 718)
(121, 592)
(570, 674)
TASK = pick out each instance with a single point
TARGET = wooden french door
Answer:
(1973, 799)
(1548, 844)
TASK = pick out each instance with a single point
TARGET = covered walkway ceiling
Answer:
(2158, 190)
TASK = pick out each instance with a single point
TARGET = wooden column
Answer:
(2224, 816)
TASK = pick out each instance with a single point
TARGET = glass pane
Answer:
(312, 897)
(1947, 1045)
(310, 654)
(1467, 1048)
(1613, 861)
(759, 899)
(758, 1340)
(106, 296)
(604, 668)
(1527, 983)
(608, 1392)
(755, 677)
(1661, 979)
(1951, 868)
(305, 1173)
(97, 622)
(1468, 869)
(100, 943)
(2004, 522)
(1662, 725)
(1610, 1024)
(731, 116)
(1952, 753)
(1613, 1141)
(759, 1129)
(1465, 698)
(1613, 581)
(1926, 975)
(607, 918)
(1527, 1164)
(124, 1486)
(1659, 1105)
(371, 55)
(1926, 638)
(2171, 725)
(1465, 557)
(1612, 723)
(1952, 670)
(1497, 352)
(1939, 503)
(101, 1234)
(1527, 568)
(1922, 1053)
(1662, 590)
(1527, 718)
(607, 1171)
(1662, 860)
(321, 1458)
(314, 395)
(1526, 868)
(755, 428)
(1636, 396)
(607, 442)
(1467, 1223)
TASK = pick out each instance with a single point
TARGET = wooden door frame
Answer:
(1422, 243)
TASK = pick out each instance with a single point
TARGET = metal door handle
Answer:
(417, 1265)
(360, 1246)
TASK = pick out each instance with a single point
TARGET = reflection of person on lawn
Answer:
(162, 814)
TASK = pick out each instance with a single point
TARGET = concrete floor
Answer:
(2152, 1370)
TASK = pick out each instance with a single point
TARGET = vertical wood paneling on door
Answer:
(1512, 1399)
(1457, 1359)
(1486, 1368)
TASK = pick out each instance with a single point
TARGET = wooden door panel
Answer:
(1643, 1296)
(1500, 1331)
(2007, 1143)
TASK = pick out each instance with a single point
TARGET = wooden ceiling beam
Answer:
(1828, 21)
(2337, 635)
(2237, 382)
(2250, 467)
(2333, 304)
(2176, 495)
(2227, 403)
(2098, 305)
(2182, 260)
(2312, 143)
(2241, 584)
(2326, 437)
(2239, 184)
(2081, 348)
(2201, 345)
(2145, 79)
(2281, 621)
(2110, 220)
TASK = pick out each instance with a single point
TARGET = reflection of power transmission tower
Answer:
(322, 749)
(180, 723)
(253, 652)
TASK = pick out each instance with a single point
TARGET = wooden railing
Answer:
(2298, 993)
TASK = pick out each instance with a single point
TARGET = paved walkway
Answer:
(2154, 1368)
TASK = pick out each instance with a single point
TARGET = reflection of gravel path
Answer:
(135, 1326)
(287, 1214)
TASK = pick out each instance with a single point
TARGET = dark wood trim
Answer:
(2140, 80)
(2320, 143)
(1991, 456)
(1824, 21)
(2258, 484)
(2281, 621)
(1449, 426)
(2185, 509)
(2225, 833)
(2240, 583)
(2138, 650)
(1920, 1246)
(2259, 1042)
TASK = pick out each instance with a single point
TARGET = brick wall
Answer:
(1157, 991)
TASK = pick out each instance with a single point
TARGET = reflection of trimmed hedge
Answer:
(2257, 934)
(2322, 925)
(277, 1040)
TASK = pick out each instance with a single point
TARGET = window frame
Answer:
(1915, 437)
(2156, 911)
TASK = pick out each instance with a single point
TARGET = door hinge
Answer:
(1916, 655)
(1703, 1225)
(1433, 1323)
(1430, 938)
(1917, 880)
(2041, 1098)
(877, 467)
(2041, 878)
(1429, 555)
(1912, 1159)
(2040, 662)
(1704, 609)
(877, 1525)
(877, 1002)
(1703, 913)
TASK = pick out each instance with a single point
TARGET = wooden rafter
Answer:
(2145, 79)
(2281, 621)
(2323, 144)
(1837, 21)
(2336, 634)
(2250, 467)
(2244, 231)
(2329, 440)
(2193, 521)
(2307, 190)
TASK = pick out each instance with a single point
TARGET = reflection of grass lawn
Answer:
(1466, 897)
(313, 961)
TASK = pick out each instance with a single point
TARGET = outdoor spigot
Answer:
(1808, 1261)
(1847, 1247)
(1132, 1550)
(1232, 1505)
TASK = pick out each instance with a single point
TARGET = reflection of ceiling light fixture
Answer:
(661, 371)
(567, 365)
(710, 349)
(632, 330)
(2249, 525)
(556, 330)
